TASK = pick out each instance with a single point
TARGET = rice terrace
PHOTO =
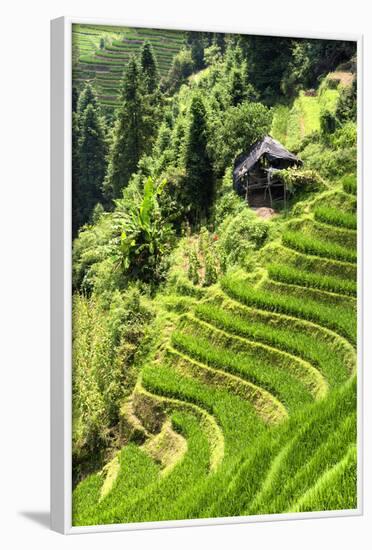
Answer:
(214, 275)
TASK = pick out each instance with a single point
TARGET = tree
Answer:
(235, 130)
(76, 216)
(87, 97)
(182, 67)
(129, 140)
(219, 40)
(149, 68)
(199, 175)
(195, 40)
(268, 59)
(92, 161)
(347, 103)
(212, 55)
(237, 87)
(74, 99)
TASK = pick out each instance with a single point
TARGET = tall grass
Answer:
(315, 264)
(287, 274)
(317, 247)
(319, 230)
(328, 357)
(335, 217)
(336, 318)
(289, 453)
(280, 382)
(336, 489)
(349, 184)
(154, 500)
(231, 411)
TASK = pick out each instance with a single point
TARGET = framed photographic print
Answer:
(206, 276)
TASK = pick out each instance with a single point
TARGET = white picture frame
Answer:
(61, 363)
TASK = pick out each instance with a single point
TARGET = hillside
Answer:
(214, 350)
(100, 55)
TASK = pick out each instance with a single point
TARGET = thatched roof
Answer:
(266, 146)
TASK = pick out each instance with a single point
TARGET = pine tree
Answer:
(131, 133)
(149, 68)
(87, 97)
(74, 99)
(92, 161)
(199, 175)
(76, 215)
(219, 40)
(237, 87)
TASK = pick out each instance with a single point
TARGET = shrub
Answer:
(327, 122)
(331, 163)
(194, 266)
(347, 104)
(227, 202)
(203, 259)
(240, 236)
(345, 137)
(298, 178)
(106, 338)
(145, 237)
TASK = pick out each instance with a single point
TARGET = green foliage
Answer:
(282, 333)
(75, 175)
(145, 238)
(235, 130)
(199, 175)
(245, 368)
(203, 258)
(93, 151)
(105, 342)
(194, 267)
(327, 122)
(182, 68)
(149, 68)
(345, 136)
(133, 132)
(301, 179)
(330, 162)
(267, 61)
(280, 123)
(212, 55)
(347, 104)
(87, 97)
(260, 366)
(240, 236)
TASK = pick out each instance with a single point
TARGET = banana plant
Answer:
(145, 235)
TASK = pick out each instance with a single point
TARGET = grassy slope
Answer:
(104, 67)
(257, 375)
(291, 124)
(256, 450)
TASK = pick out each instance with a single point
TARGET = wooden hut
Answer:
(256, 172)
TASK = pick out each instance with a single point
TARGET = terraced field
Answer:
(101, 53)
(248, 405)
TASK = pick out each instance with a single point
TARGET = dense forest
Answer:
(214, 342)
